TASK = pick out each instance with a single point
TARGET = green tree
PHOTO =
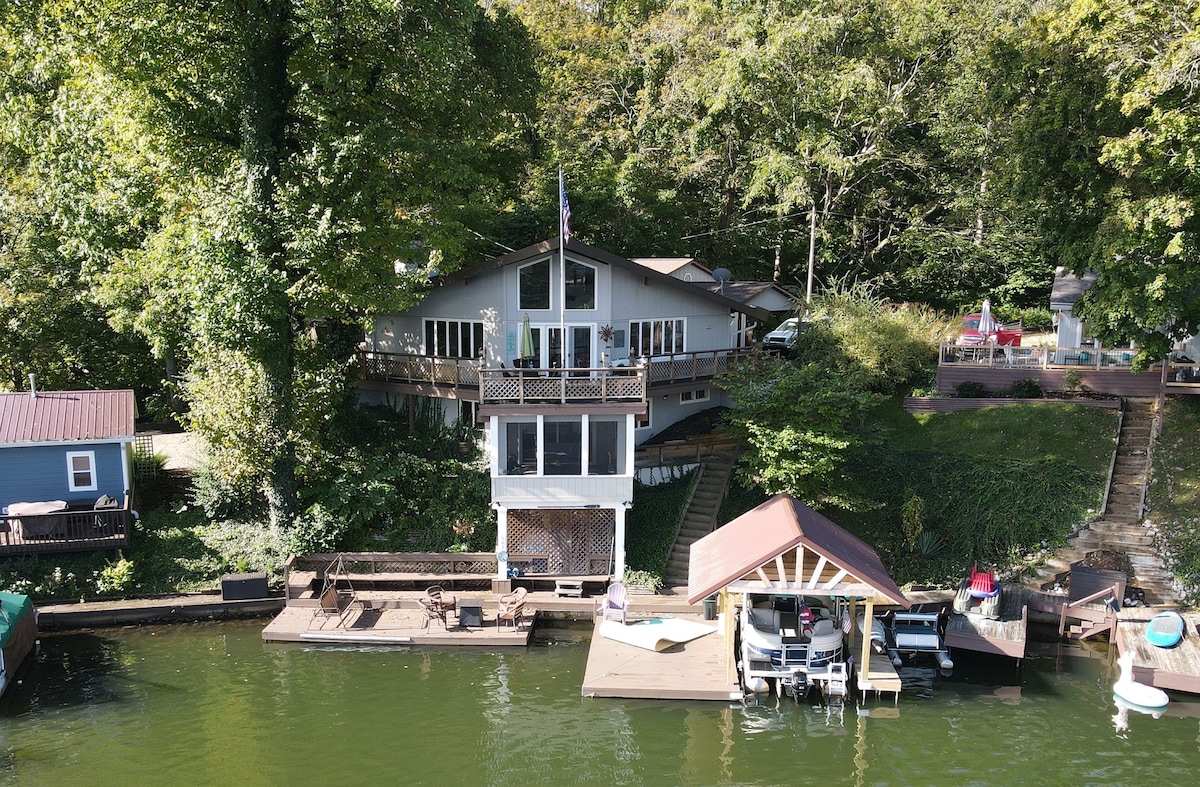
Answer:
(317, 136)
(1143, 236)
(65, 141)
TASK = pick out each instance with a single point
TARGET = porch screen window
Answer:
(453, 338)
(564, 448)
(521, 444)
(656, 337)
(581, 286)
(81, 471)
(605, 447)
(534, 285)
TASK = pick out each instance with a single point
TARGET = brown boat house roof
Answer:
(783, 546)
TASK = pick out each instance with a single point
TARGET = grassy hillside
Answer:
(941, 492)
(1174, 493)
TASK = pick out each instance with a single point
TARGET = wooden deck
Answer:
(879, 676)
(1176, 668)
(1003, 637)
(393, 625)
(694, 670)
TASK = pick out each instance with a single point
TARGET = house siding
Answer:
(35, 473)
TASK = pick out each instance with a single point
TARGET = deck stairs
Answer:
(1121, 527)
(700, 516)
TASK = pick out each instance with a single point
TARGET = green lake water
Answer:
(212, 704)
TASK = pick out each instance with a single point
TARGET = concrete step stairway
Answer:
(1121, 528)
(700, 518)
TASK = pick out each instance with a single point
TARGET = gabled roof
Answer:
(762, 294)
(1069, 288)
(64, 416)
(782, 532)
(582, 250)
(675, 266)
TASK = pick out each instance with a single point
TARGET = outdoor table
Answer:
(470, 613)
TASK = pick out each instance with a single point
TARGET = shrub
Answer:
(115, 579)
(969, 389)
(1027, 389)
(1037, 319)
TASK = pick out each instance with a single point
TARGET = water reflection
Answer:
(197, 704)
(74, 670)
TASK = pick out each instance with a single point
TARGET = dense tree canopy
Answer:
(207, 200)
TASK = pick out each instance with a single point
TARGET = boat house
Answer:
(778, 557)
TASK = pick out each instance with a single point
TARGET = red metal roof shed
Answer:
(66, 416)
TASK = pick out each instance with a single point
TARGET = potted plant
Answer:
(642, 583)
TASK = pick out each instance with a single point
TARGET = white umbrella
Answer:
(987, 323)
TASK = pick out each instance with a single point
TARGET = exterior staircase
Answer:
(1121, 527)
(700, 516)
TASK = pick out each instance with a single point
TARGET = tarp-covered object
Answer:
(16, 607)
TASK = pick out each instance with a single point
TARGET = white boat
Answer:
(912, 633)
(878, 635)
(788, 640)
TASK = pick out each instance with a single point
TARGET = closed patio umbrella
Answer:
(987, 323)
(526, 347)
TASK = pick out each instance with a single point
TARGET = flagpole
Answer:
(562, 269)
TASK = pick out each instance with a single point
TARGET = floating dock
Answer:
(392, 625)
(1176, 668)
(694, 670)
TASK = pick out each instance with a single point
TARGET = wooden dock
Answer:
(878, 676)
(694, 670)
(391, 626)
(1003, 637)
(1176, 668)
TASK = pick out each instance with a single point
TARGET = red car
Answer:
(1005, 335)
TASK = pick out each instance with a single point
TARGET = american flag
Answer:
(564, 209)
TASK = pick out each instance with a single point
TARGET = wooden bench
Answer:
(568, 587)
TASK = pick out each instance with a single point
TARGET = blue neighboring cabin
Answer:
(33, 473)
(75, 446)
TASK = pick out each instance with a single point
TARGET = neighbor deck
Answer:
(1176, 668)
(1003, 637)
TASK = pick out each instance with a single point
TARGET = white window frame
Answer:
(678, 336)
(472, 327)
(693, 397)
(595, 286)
(549, 286)
(91, 459)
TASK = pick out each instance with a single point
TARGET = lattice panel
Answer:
(574, 541)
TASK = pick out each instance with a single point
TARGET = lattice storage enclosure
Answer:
(572, 541)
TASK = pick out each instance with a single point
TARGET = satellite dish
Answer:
(722, 275)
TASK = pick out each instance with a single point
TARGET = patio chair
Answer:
(512, 608)
(436, 604)
(615, 603)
